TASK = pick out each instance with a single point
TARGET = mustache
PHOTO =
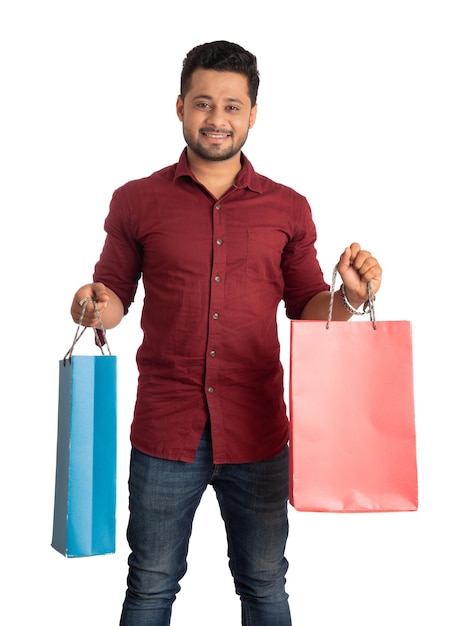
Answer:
(220, 131)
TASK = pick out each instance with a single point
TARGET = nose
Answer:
(215, 117)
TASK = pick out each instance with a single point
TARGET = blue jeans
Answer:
(164, 496)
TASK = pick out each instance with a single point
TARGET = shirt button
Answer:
(215, 316)
(217, 207)
(217, 279)
(210, 390)
(212, 353)
(219, 241)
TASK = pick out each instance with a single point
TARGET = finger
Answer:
(345, 260)
(83, 311)
(96, 292)
(355, 249)
(100, 292)
(350, 255)
(360, 259)
(371, 271)
(91, 310)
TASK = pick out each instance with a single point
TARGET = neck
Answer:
(216, 176)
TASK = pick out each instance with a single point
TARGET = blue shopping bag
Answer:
(86, 464)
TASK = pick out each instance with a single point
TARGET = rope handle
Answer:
(370, 300)
(79, 332)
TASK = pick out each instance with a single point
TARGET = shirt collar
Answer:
(246, 178)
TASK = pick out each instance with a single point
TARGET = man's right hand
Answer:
(108, 303)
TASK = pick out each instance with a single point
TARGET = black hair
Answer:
(221, 56)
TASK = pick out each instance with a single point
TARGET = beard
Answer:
(214, 152)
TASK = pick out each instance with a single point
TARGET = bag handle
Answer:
(371, 299)
(80, 332)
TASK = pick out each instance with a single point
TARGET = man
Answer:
(218, 247)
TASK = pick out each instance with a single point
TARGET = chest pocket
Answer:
(264, 253)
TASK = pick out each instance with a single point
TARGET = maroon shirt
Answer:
(214, 272)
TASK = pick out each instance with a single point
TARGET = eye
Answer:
(202, 105)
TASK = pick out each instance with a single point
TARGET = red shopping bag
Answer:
(352, 427)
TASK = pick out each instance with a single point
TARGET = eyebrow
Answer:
(207, 97)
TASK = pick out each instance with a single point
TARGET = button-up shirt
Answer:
(214, 272)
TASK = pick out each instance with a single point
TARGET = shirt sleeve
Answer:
(303, 277)
(120, 263)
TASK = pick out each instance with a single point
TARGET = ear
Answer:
(179, 108)
(253, 114)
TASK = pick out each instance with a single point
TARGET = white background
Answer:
(356, 111)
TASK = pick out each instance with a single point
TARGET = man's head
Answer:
(221, 56)
(217, 103)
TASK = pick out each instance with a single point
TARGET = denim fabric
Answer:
(164, 496)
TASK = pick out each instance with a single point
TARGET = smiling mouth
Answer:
(212, 135)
